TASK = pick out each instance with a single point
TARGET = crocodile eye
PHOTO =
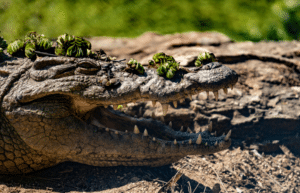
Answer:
(87, 65)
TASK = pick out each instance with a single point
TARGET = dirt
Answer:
(263, 112)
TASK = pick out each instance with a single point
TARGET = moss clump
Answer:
(205, 58)
(68, 45)
(134, 67)
(166, 65)
(3, 45)
(32, 42)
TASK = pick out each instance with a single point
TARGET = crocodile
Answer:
(57, 109)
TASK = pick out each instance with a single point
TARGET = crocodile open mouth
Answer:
(74, 117)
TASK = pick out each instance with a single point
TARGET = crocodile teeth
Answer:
(136, 130)
(207, 95)
(175, 104)
(153, 139)
(153, 115)
(225, 90)
(145, 133)
(116, 132)
(115, 107)
(216, 95)
(228, 135)
(153, 103)
(165, 108)
(189, 130)
(107, 129)
(199, 139)
(231, 86)
(190, 141)
(126, 131)
(216, 143)
(170, 124)
(175, 142)
(210, 126)
(181, 129)
(181, 100)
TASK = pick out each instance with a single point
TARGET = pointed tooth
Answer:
(175, 142)
(216, 143)
(207, 95)
(228, 135)
(126, 131)
(115, 107)
(190, 141)
(165, 108)
(170, 124)
(175, 104)
(181, 129)
(225, 90)
(181, 100)
(107, 129)
(153, 115)
(153, 103)
(199, 139)
(216, 95)
(145, 133)
(116, 132)
(231, 86)
(153, 139)
(210, 126)
(136, 130)
(221, 144)
(189, 130)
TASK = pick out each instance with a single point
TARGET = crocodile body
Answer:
(57, 109)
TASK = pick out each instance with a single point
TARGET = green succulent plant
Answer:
(166, 65)
(205, 58)
(68, 45)
(3, 45)
(135, 67)
(32, 42)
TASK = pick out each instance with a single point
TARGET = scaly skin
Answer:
(55, 109)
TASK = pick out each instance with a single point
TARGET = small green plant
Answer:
(135, 67)
(68, 45)
(205, 58)
(32, 42)
(3, 45)
(166, 65)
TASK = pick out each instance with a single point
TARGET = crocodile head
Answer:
(59, 108)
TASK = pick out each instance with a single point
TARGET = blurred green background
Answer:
(241, 20)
